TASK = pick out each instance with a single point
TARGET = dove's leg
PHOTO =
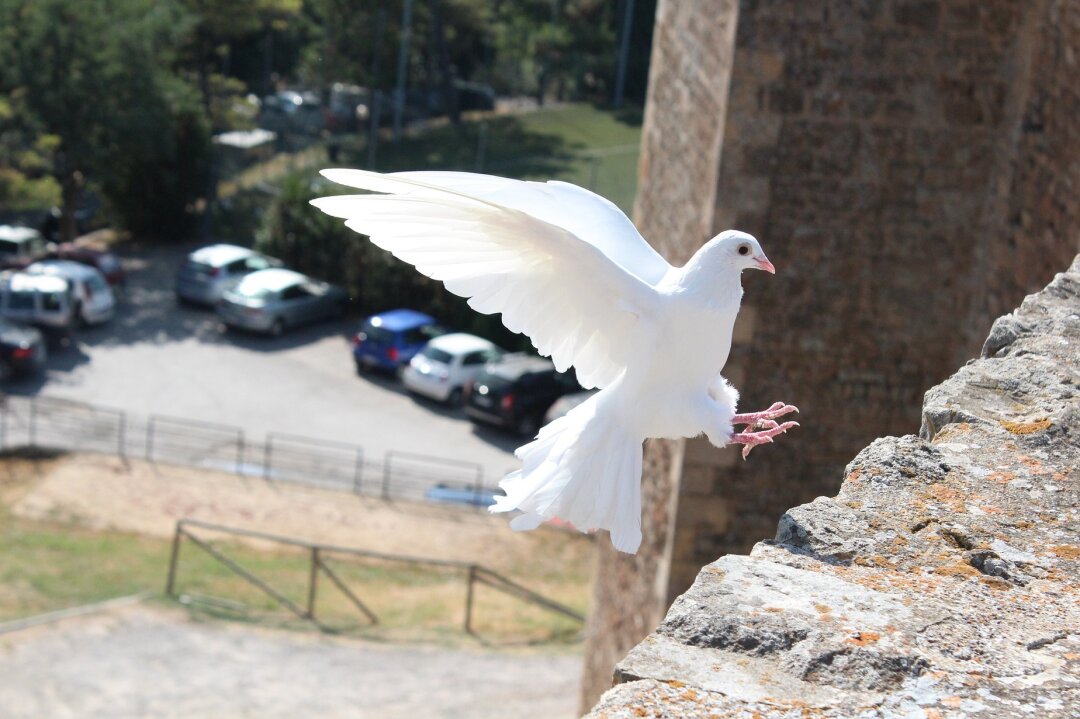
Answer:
(779, 409)
(749, 440)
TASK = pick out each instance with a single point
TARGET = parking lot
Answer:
(156, 357)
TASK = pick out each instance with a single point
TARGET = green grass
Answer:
(47, 566)
(594, 148)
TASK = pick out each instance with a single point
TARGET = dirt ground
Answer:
(161, 661)
(136, 496)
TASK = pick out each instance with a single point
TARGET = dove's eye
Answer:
(744, 250)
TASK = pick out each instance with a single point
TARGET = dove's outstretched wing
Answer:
(577, 305)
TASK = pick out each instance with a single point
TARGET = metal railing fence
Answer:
(49, 423)
(474, 574)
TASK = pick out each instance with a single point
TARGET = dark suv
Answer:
(516, 392)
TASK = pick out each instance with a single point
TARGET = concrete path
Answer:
(148, 662)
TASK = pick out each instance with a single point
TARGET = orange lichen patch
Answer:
(716, 572)
(947, 495)
(874, 560)
(689, 695)
(932, 714)
(1033, 464)
(675, 683)
(957, 569)
(1001, 477)
(1071, 656)
(855, 477)
(1066, 551)
(952, 702)
(639, 711)
(823, 608)
(774, 609)
(861, 639)
(1026, 427)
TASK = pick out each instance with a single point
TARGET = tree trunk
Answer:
(70, 192)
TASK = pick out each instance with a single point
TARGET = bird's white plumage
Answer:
(567, 268)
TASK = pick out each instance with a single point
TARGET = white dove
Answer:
(567, 268)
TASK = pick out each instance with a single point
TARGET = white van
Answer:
(94, 302)
(46, 301)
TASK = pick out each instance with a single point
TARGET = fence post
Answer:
(150, 440)
(174, 559)
(33, 422)
(358, 476)
(121, 436)
(240, 453)
(469, 599)
(386, 476)
(479, 487)
(312, 582)
(267, 451)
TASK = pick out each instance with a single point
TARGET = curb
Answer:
(49, 617)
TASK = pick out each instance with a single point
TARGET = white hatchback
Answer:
(93, 302)
(446, 364)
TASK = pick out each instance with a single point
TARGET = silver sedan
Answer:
(275, 300)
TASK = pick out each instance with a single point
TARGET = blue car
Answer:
(387, 341)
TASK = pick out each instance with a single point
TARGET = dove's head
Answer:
(732, 250)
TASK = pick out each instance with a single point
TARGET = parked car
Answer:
(22, 349)
(207, 272)
(44, 301)
(19, 246)
(516, 392)
(105, 262)
(388, 340)
(442, 368)
(276, 299)
(93, 299)
(445, 494)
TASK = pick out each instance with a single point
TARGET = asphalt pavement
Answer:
(159, 358)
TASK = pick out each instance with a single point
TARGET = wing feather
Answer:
(576, 303)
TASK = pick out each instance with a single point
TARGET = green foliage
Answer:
(94, 75)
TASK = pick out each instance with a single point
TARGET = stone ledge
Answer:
(942, 581)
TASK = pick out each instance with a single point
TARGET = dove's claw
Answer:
(763, 436)
(778, 409)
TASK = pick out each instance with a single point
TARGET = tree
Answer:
(94, 76)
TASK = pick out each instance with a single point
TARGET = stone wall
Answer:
(942, 581)
(912, 168)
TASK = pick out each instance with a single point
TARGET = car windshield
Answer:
(377, 334)
(493, 382)
(201, 268)
(21, 300)
(7, 247)
(436, 355)
(52, 301)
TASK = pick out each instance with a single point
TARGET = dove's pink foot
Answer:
(763, 436)
(779, 409)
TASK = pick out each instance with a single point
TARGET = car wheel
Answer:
(528, 426)
(278, 328)
(454, 400)
(361, 368)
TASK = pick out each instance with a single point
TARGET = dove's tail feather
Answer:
(584, 468)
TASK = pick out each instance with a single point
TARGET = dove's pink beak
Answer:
(764, 264)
